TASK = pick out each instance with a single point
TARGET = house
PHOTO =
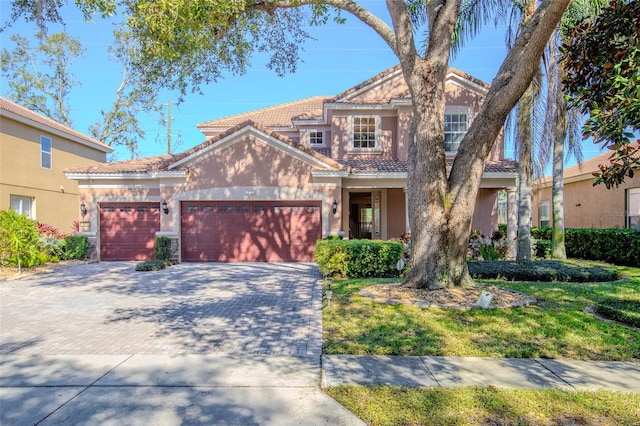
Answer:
(588, 206)
(266, 184)
(34, 151)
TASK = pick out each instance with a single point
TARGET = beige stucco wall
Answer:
(56, 197)
(588, 206)
(396, 212)
(485, 215)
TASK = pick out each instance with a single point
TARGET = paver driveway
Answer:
(109, 308)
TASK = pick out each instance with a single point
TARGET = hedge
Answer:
(617, 246)
(359, 258)
(622, 310)
(541, 270)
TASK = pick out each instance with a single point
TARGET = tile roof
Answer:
(41, 121)
(340, 97)
(274, 116)
(506, 165)
(164, 162)
(585, 168)
(138, 165)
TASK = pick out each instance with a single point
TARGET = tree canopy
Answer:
(602, 59)
(188, 43)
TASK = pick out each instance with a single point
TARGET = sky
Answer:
(340, 57)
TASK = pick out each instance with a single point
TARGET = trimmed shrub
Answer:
(53, 248)
(359, 258)
(151, 265)
(617, 246)
(541, 270)
(75, 247)
(162, 248)
(542, 249)
(626, 311)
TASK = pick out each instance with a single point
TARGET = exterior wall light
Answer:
(334, 207)
(165, 208)
(83, 209)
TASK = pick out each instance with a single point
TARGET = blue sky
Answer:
(340, 57)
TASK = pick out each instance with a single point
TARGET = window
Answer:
(544, 216)
(455, 127)
(633, 208)
(364, 132)
(22, 205)
(45, 152)
(316, 138)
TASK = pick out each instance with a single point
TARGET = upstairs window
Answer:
(455, 127)
(45, 152)
(316, 138)
(364, 132)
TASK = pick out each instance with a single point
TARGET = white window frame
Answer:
(46, 154)
(313, 135)
(457, 110)
(23, 205)
(633, 208)
(544, 205)
(376, 140)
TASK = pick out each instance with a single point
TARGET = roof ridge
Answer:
(15, 108)
(262, 110)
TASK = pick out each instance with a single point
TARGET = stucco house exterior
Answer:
(588, 206)
(267, 184)
(34, 151)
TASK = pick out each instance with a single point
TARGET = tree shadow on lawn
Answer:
(548, 329)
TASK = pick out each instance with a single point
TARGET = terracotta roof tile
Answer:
(506, 165)
(585, 168)
(12, 107)
(139, 165)
(274, 116)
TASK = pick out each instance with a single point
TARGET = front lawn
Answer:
(556, 327)
(385, 405)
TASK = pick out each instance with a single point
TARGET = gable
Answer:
(249, 160)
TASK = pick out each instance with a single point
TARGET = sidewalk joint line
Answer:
(555, 374)
(83, 390)
(430, 372)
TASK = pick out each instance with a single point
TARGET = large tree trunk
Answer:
(525, 142)
(441, 208)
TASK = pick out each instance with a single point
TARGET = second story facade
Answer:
(34, 151)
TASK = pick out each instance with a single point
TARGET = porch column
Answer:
(512, 214)
(406, 212)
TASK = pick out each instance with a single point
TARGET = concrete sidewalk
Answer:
(425, 371)
(165, 390)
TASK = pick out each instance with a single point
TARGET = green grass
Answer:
(556, 327)
(385, 405)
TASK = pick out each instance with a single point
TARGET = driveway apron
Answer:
(204, 343)
(203, 308)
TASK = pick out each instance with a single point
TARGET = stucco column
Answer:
(407, 229)
(512, 214)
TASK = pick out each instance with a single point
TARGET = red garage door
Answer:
(128, 230)
(250, 231)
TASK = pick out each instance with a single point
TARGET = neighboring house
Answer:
(34, 151)
(266, 184)
(588, 206)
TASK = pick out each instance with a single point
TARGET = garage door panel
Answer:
(128, 230)
(249, 231)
